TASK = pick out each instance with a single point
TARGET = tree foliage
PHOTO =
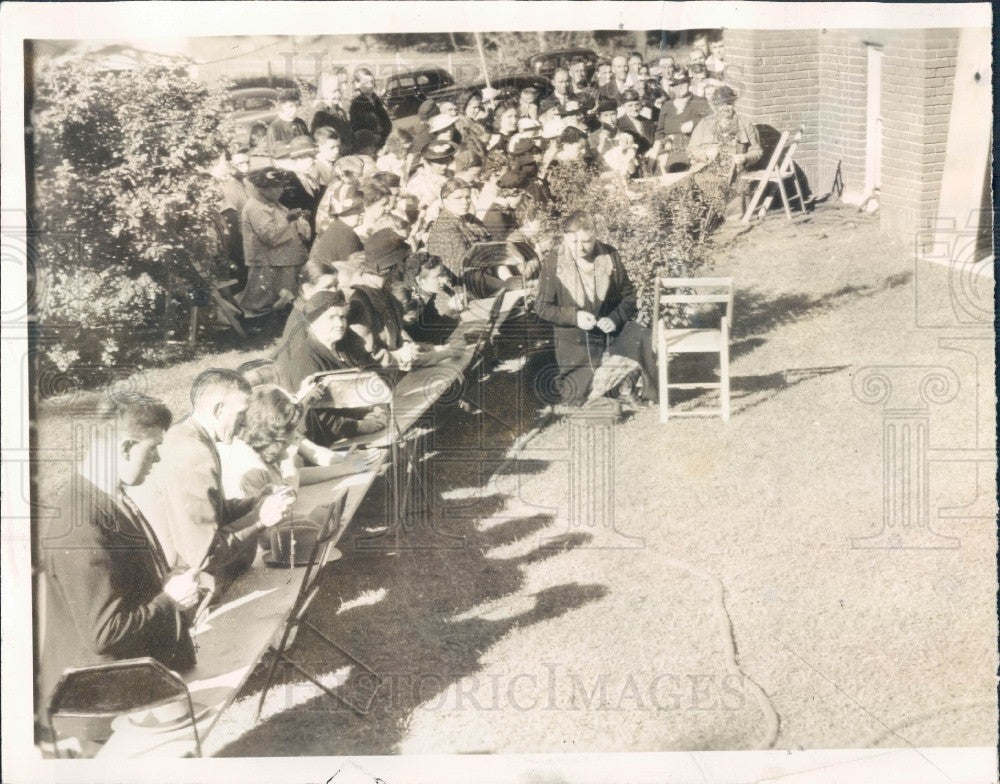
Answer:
(121, 167)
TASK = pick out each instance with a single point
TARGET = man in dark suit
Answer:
(195, 523)
(679, 116)
(108, 591)
(618, 83)
(327, 112)
(367, 110)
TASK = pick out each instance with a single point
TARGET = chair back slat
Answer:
(694, 298)
(779, 148)
(788, 161)
(666, 284)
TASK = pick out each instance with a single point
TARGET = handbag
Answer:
(291, 544)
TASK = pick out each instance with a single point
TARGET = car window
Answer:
(256, 102)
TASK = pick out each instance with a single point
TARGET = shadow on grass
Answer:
(439, 590)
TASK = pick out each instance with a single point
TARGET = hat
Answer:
(287, 94)
(605, 104)
(365, 138)
(385, 249)
(427, 110)
(514, 178)
(322, 301)
(279, 150)
(570, 109)
(630, 96)
(522, 145)
(529, 125)
(467, 158)
(572, 135)
(724, 95)
(267, 176)
(347, 201)
(301, 147)
(680, 76)
(169, 715)
(440, 151)
(439, 122)
(552, 128)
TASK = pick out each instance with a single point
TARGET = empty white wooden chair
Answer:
(693, 340)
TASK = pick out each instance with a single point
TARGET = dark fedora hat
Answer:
(437, 150)
(386, 249)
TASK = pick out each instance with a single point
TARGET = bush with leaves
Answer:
(121, 167)
(658, 231)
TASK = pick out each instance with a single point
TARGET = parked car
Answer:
(252, 110)
(506, 87)
(545, 63)
(404, 92)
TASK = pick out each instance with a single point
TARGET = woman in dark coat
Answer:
(324, 343)
(585, 292)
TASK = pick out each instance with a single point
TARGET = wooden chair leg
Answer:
(724, 375)
(755, 200)
(798, 191)
(662, 359)
(784, 198)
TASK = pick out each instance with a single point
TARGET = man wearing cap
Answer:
(286, 126)
(367, 109)
(425, 184)
(632, 122)
(273, 244)
(339, 239)
(456, 229)
(327, 112)
(302, 192)
(678, 118)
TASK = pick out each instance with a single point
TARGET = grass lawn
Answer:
(590, 594)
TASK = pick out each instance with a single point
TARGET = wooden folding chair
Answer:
(779, 169)
(693, 340)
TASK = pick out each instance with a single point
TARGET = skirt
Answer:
(264, 286)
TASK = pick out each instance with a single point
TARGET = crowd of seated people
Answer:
(361, 238)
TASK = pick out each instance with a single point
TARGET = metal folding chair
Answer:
(103, 691)
(308, 589)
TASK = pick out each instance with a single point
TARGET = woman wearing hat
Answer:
(303, 191)
(585, 292)
(678, 118)
(273, 245)
(347, 174)
(455, 230)
(343, 212)
(325, 344)
(633, 122)
(425, 184)
(726, 133)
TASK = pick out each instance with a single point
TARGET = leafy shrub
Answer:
(121, 169)
(658, 231)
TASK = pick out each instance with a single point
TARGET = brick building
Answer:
(875, 104)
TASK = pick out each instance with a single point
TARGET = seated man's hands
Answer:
(274, 507)
(183, 589)
(585, 321)
(606, 325)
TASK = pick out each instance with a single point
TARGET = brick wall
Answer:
(776, 75)
(820, 79)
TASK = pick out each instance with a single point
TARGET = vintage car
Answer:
(404, 92)
(251, 110)
(545, 63)
(505, 87)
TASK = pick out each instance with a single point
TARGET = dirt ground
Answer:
(693, 585)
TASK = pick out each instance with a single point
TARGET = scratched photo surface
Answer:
(553, 540)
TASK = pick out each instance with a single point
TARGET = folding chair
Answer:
(308, 589)
(780, 167)
(693, 340)
(103, 691)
